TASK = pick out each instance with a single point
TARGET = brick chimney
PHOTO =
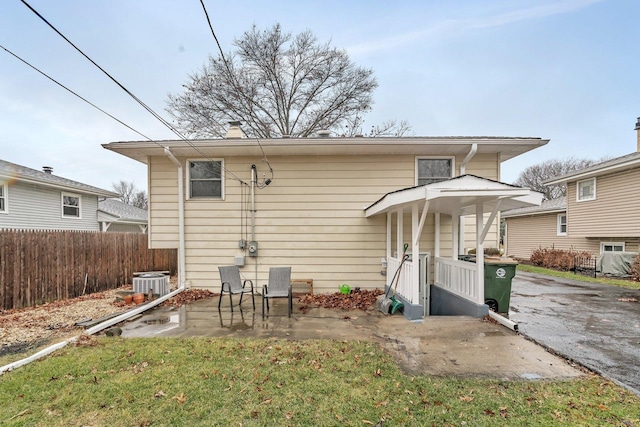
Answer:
(234, 131)
(638, 133)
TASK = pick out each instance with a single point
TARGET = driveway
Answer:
(597, 326)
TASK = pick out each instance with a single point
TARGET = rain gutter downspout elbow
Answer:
(181, 238)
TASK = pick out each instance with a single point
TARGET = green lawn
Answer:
(203, 381)
(630, 284)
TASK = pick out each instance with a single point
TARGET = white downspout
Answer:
(463, 170)
(181, 241)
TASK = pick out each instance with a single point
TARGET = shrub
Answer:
(635, 268)
(557, 259)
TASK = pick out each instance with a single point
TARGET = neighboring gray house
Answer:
(601, 212)
(38, 200)
(116, 216)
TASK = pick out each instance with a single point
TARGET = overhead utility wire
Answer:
(236, 86)
(138, 100)
(74, 93)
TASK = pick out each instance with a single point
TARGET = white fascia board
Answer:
(594, 172)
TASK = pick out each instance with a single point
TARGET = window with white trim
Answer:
(3, 198)
(205, 179)
(611, 247)
(586, 190)
(71, 205)
(562, 224)
(430, 170)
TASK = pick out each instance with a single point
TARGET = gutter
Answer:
(503, 321)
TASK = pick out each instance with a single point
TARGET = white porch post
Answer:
(415, 253)
(399, 232)
(388, 244)
(479, 253)
(436, 243)
(455, 227)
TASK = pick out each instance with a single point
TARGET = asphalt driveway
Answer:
(597, 326)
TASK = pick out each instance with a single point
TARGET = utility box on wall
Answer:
(253, 248)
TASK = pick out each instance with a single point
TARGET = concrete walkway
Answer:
(438, 346)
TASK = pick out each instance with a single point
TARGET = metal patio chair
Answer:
(279, 287)
(233, 284)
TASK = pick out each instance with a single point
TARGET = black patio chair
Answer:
(279, 287)
(233, 284)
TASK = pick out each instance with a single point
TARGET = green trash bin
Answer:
(498, 273)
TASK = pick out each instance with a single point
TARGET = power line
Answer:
(235, 85)
(74, 93)
(138, 100)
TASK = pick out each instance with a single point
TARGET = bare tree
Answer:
(130, 195)
(534, 176)
(276, 84)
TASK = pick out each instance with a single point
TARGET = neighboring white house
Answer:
(337, 210)
(117, 216)
(39, 200)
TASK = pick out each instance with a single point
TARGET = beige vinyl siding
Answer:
(528, 233)
(311, 218)
(615, 212)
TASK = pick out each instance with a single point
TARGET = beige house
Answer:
(337, 210)
(601, 212)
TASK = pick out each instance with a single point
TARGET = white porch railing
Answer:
(458, 277)
(405, 287)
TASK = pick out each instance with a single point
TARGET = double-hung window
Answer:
(205, 179)
(71, 205)
(3, 198)
(562, 224)
(430, 170)
(586, 190)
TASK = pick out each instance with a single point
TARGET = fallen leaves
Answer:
(356, 300)
(187, 296)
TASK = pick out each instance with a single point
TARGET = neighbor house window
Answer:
(3, 198)
(612, 247)
(205, 179)
(434, 170)
(70, 205)
(587, 189)
(562, 225)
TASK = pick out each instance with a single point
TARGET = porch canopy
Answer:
(456, 197)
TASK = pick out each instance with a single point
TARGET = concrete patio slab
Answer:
(437, 346)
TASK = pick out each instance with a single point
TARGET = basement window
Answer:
(205, 179)
(612, 247)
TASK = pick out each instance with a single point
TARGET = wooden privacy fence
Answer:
(45, 266)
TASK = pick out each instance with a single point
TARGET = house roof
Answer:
(507, 147)
(458, 196)
(122, 212)
(548, 206)
(13, 172)
(617, 164)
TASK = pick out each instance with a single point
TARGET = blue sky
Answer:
(564, 70)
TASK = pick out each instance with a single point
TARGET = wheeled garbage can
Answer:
(498, 273)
